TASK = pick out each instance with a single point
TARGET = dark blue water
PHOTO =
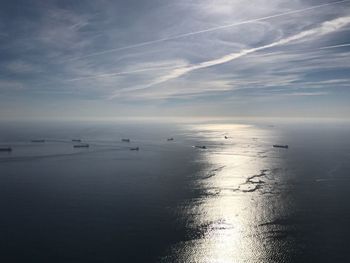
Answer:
(238, 200)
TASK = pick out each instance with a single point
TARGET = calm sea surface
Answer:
(238, 200)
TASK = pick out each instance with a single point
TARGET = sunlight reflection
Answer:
(230, 205)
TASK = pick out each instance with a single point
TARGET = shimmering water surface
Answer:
(238, 200)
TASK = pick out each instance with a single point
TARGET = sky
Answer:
(185, 58)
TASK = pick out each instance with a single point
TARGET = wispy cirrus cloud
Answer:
(20, 66)
(306, 94)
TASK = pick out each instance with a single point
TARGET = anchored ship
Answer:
(83, 145)
(38, 140)
(134, 149)
(200, 147)
(5, 149)
(280, 146)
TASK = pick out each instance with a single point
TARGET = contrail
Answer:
(206, 30)
(324, 28)
(120, 73)
(336, 46)
(106, 75)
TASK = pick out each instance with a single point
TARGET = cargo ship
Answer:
(200, 147)
(134, 149)
(38, 140)
(280, 146)
(83, 145)
(5, 149)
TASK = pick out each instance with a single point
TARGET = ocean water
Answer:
(238, 200)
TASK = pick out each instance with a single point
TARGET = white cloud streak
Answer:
(306, 94)
(336, 46)
(109, 75)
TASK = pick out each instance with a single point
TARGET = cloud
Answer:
(306, 94)
(8, 85)
(325, 28)
(336, 46)
(20, 66)
(185, 35)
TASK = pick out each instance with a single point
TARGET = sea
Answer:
(237, 199)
